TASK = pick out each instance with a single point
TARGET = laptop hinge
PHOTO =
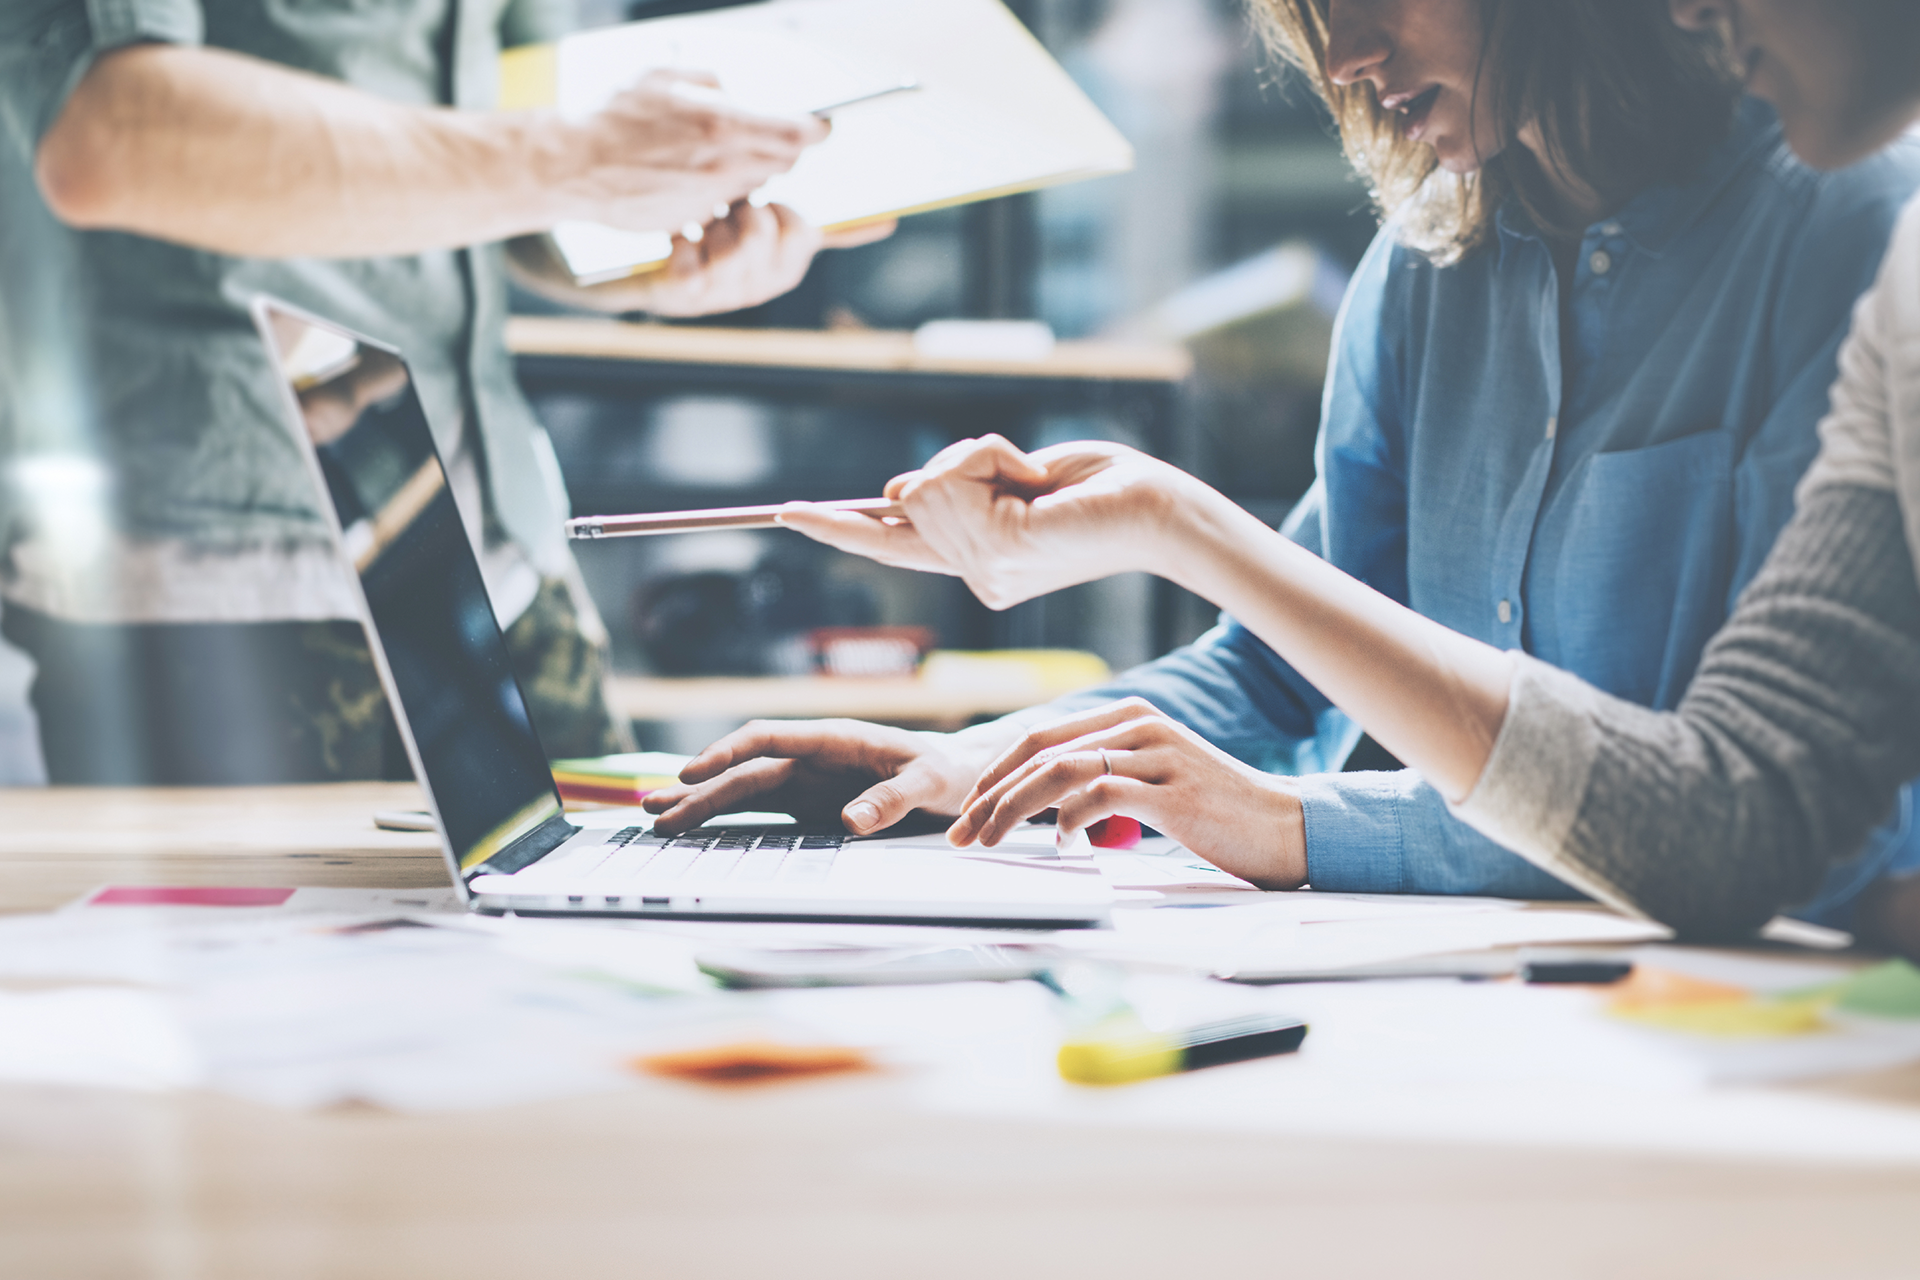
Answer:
(529, 848)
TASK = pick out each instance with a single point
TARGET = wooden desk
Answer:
(839, 1178)
(56, 843)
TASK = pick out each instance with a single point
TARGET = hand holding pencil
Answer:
(1012, 525)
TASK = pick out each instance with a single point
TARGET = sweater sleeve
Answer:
(1788, 748)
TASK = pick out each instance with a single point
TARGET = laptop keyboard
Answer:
(735, 854)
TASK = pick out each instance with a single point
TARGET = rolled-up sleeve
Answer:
(537, 21)
(47, 45)
(1393, 833)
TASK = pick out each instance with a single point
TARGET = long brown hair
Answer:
(1620, 96)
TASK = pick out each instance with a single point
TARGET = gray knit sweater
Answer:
(1804, 717)
(1803, 721)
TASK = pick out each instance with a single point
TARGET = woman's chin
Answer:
(1834, 140)
(1820, 145)
(1457, 160)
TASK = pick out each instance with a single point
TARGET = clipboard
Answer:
(991, 112)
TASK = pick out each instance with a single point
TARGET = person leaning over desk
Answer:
(1791, 741)
(341, 155)
(1573, 384)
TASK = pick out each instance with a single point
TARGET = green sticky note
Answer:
(1890, 990)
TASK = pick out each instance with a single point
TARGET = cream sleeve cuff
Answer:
(1535, 782)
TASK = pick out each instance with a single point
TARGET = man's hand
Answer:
(243, 156)
(669, 151)
(1129, 758)
(749, 257)
(869, 775)
(1016, 525)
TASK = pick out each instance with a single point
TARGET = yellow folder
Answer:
(991, 112)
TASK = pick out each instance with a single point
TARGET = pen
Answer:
(1129, 1051)
(636, 526)
(905, 86)
(711, 96)
(1598, 971)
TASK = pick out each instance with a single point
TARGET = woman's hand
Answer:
(1129, 758)
(1014, 525)
(869, 775)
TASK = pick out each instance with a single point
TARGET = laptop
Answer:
(352, 406)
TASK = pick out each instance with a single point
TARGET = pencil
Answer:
(656, 522)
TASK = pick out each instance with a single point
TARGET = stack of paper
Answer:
(616, 779)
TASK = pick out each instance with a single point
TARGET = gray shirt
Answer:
(1804, 718)
(139, 356)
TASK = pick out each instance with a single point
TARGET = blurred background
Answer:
(1208, 276)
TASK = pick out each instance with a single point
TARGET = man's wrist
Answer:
(551, 158)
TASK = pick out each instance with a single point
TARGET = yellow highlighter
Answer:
(1121, 1049)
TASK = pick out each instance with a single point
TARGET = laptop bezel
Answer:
(262, 308)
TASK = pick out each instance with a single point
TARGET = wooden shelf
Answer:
(896, 699)
(860, 351)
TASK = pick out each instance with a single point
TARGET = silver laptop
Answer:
(360, 424)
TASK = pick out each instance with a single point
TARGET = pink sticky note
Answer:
(1116, 832)
(158, 895)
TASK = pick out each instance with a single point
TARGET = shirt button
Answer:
(1505, 611)
(1601, 262)
(1553, 425)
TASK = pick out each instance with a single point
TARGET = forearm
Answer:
(303, 165)
(1431, 696)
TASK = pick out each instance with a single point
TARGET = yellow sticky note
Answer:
(1656, 997)
(1746, 1018)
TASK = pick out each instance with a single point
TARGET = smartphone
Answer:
(875, 966)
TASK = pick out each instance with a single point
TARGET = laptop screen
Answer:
(445, 658)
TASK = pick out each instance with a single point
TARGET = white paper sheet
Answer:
(1448, 1062)
(303, 1010)
(1306, 932)
(96, 1037)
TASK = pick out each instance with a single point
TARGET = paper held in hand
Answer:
(991, 113)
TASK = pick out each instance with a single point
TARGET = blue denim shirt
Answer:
(1600, 510)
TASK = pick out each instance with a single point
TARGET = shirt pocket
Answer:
(1640, 579)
